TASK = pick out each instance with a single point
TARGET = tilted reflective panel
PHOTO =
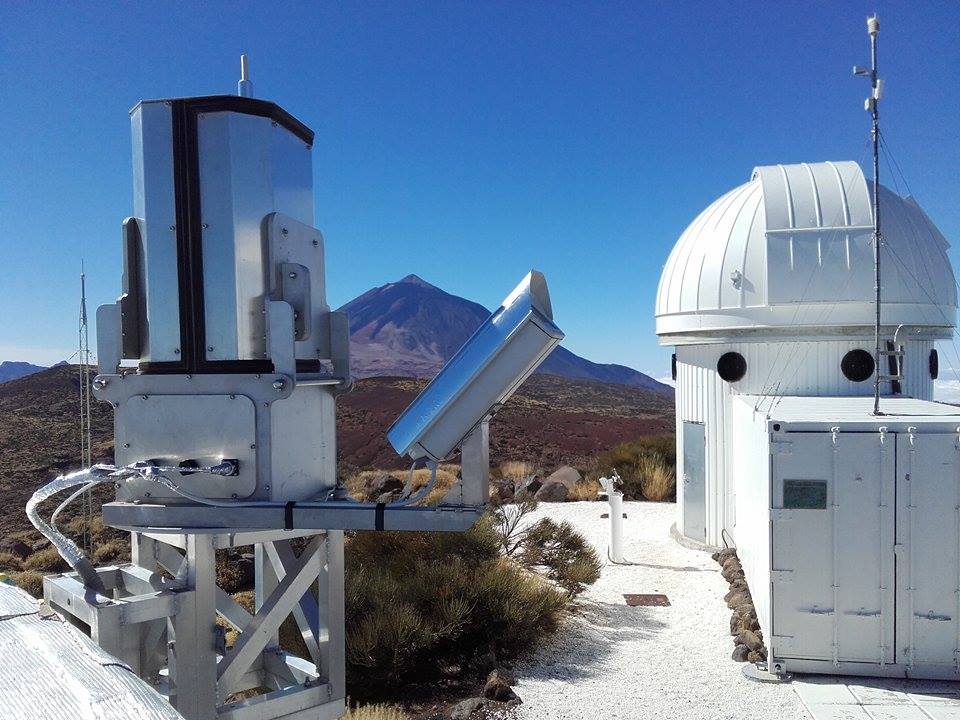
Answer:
(484, 373)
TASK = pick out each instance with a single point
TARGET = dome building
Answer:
(768, 298)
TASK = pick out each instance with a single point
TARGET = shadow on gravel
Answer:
(580, 648)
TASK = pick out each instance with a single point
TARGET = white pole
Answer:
(615, 498)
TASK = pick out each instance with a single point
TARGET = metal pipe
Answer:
(873, 28)
(615, 499)
(244, 87)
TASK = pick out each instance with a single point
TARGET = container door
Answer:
(928, 557)
(833, 535)
(694, 481)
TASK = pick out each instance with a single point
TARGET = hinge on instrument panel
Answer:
(911, 431)
(834, 433)
(883, 434)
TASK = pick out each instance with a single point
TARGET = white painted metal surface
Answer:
(847, 526)
(791, 248)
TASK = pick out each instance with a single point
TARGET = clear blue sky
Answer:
(464, 141)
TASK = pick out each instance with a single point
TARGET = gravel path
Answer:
(612, 661)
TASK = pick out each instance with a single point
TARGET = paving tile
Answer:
(876, 694)
(935, 697)
(833, 711)
(895, 712)
(942, 712)
(824, 693)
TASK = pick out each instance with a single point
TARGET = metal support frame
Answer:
(165, 629)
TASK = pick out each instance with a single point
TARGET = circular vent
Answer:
(731, 366)
(857, 365)
(934, 364)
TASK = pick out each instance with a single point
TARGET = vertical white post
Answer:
(192, 650)
(615, 498)
(332, 612)
(265, 582)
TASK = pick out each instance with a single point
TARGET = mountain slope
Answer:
(410, 328)
(11, 370)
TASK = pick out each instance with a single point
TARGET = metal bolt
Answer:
(267, 488)
(234, 496)
(253, 446)
(205, 226)
(209, 348)
(116, 486)
(176, 351)
(292, 275)
(144, 397)
(278, 385)
(273, 124)
(316, 242)
(284, 231)
(173, 227)
(146, 494)
(233, 397)
(100, 383)
(126, 445)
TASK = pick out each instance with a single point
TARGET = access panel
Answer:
(833, 536)
(694, 481)
(928, 554)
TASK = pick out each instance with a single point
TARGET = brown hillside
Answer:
(551, 420)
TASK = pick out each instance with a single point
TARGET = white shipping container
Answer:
(848, 528)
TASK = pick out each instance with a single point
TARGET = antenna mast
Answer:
(871, 105)
(86, 431)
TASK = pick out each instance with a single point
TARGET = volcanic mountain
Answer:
(410, 328)
(11, 370)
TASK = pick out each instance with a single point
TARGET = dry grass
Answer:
(110, 551)
(586, 489)
(446, 478)
(29, 580)
(658, 480)
(375, 712)
(517, 470)
(47, 560)
(9, 561)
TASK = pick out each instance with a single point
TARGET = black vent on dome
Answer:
(934, 364)
(731, 366)
(857, 365)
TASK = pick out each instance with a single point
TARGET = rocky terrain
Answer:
(549, 422)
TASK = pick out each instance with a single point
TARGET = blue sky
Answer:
(464, 141)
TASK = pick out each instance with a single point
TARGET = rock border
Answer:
(748, 645)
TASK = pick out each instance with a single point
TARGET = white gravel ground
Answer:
(612, 661)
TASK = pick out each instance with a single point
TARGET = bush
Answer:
(112, 550)
(647, 467)
(29, 580)
(9, 561)
(423, 605)
(563, 553)
(46, 560)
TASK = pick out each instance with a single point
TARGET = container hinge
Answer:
(834, 433)
(911, 431)
(933, 616)
(883, 434)
(818, 611)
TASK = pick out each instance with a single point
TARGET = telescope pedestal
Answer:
(166, 630)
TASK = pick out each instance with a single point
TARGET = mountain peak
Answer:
(412, 279)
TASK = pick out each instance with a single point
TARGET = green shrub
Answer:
(564, 554)
(375, 712)
(423, 605)
(9, 561)
(646, 466)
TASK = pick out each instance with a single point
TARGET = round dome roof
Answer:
(791, 250)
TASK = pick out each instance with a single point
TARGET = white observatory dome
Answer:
(792, 249)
